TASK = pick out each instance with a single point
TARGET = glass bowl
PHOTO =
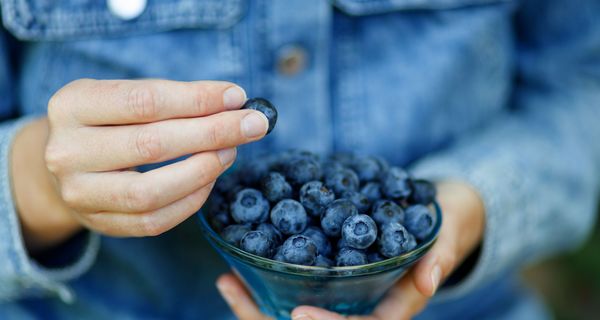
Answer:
(278, 287)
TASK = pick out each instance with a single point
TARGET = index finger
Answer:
(116, 102)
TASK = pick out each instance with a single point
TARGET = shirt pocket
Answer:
(79, 19)
(366, 7)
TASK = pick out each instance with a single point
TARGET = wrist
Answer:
(45, 220)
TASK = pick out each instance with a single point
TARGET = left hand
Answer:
(461, 232)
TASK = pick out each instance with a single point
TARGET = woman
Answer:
(496, 100)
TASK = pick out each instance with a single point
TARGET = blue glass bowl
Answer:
(279, 287)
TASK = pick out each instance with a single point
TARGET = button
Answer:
(127, 9)
(291, 60)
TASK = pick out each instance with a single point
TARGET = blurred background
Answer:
(570, 283)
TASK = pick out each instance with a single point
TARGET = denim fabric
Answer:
(502, 94)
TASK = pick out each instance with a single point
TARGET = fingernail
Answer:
(436, 274)
(254, 124)
(234, 97)
(302, 316)
(226, 295)
(226, 156)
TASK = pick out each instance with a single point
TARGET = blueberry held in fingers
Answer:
(264, 106)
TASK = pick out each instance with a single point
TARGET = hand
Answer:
(97, 130)
(460, 234)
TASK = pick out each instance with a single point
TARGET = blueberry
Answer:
(384, 165)
(289, 217)
(419, 221)
(342, 180)
(359, 231)
(258, 243)
(367, 168)
(375, 256)
(232, 234)
(299, 249)
(278, 255)
(323, 261)
(250, 206)
(320, 240)
(423, 192)
(300, 171)
(350, 257)
(270, 231)
(341, 244)
(385, 211)
(345, 158)
(264, 106)
(395, 240)
(226, 182)
(396, 183)
(254, 171)
(358, 199)
(335, 215)
(275, 187)
(315, 197)
(219, 220)
(330, 166)
(372, 190)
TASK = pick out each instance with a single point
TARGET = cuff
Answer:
(497, 181)
(21, 275)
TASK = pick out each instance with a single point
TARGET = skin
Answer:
(73, 169)
(461, 233)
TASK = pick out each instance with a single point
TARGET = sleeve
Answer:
(537, 166)
(20, 275)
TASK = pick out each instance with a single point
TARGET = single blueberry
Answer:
(254, 171)
(226, 182)
(341, 244)
(289, 217)
(367, 168)
(264, 106)
(300, 171)
(219, 220)
(342, 180)
(419, 221)
(299, 249)
(335, 215)
(385, 211)
(250, 206)
(395, 240)
(372, 190)
(423, 192)
(323, 261)
(258, 243)
(275, 187)
(271, 231)
(345, 158)
(329, 166)
(375, 256)
(383, 164)
(278, 255)
(315, 197)
(396, 183)
(350, 257)
(319, 238)
(361, 202)
(232, 234)
(359, 231)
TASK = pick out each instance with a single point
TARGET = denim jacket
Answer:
(502, 94)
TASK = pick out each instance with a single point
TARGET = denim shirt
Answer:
(501, 94)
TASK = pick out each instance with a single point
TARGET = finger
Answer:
(112, 102)
(130, 191)
(403, 301)
(314, 313)
(438, 263)
(119, 147)
(150, 223)
(237, 297)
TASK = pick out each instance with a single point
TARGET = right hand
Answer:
(99, 129)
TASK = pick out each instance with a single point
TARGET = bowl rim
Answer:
(302, 270)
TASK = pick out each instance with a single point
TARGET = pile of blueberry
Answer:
(344, 210)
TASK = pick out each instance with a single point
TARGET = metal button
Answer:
(126, 9)
(291, 60)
